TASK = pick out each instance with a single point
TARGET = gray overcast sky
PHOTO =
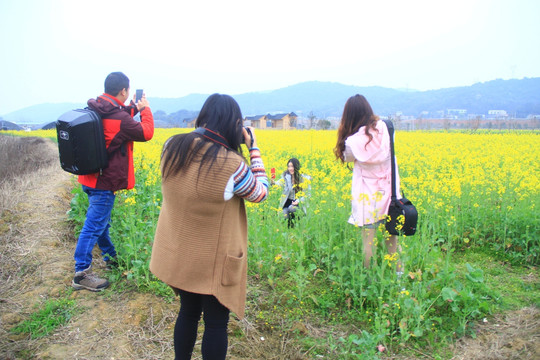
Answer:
(61, 51)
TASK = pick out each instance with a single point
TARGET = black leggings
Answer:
(216, 318)
(290, 216)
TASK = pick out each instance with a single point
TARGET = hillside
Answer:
(42, 113)
(519, 98)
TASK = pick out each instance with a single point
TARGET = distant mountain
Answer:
(518, 97)
(7, 125)
(326, 99)
(42, 113)
(192, 102)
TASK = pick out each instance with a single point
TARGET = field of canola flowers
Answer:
(472, 190)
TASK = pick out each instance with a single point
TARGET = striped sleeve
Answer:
(251, 183)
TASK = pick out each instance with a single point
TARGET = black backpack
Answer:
(81, 142)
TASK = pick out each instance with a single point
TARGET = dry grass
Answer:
(20, 157)
(514, 335)
(23, 165)
(157, 331)
(16, 257)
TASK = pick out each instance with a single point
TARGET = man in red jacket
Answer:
(120, 131)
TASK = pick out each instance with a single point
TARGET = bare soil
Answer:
(36, 264)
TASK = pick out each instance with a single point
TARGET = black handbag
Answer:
(403, 216)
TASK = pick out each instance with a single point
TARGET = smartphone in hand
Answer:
(273, 173)
(138, 95)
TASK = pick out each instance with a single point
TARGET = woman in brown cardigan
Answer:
(200, 245)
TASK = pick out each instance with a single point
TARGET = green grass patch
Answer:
(430, 314)
(519, 286)
(50, 315)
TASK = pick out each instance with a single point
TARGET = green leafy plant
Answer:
(468, 202)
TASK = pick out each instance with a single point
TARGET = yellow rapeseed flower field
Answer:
(466, 186)
(462, 183)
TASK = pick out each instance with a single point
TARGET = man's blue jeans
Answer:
(96, 228)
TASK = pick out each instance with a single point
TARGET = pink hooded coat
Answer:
(372, 177)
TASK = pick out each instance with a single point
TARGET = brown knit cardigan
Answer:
(200, 243)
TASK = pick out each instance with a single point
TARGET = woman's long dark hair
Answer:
(220, 114)
(296, 176)
(356, 113)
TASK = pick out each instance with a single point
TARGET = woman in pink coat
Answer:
(364, 140)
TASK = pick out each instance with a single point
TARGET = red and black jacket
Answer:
(120, 132)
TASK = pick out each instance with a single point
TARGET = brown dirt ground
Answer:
(36, 264)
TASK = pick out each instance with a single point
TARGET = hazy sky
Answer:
(61, 51)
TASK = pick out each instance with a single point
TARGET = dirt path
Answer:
(37, 252)
(36, 265)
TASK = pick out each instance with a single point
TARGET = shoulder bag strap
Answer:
(392, 157)
(212, 136)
